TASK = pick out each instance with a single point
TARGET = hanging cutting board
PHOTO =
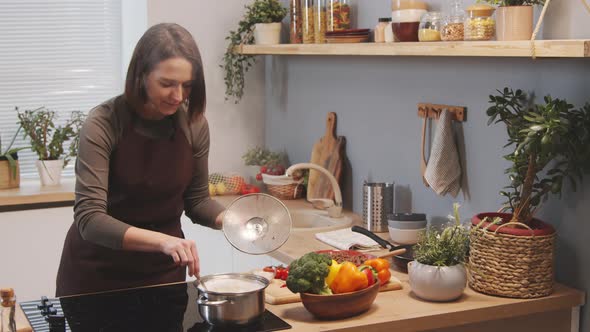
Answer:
(276, 294)
(328, 152)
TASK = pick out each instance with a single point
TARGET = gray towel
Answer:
(443, 172)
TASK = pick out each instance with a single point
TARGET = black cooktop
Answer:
(162, 308)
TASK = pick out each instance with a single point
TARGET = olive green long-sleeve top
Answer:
(99, 137)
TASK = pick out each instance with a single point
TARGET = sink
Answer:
(308, 219)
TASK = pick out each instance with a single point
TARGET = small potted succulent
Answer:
(511, 254)
(9, 167)
(438, 272)
(261, 24)
(514, 18)
(48, 140)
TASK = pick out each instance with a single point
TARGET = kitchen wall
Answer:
(375, 100)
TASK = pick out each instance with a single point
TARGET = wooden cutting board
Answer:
(275, 294)
(328, 152)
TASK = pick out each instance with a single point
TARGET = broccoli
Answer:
(308, 274)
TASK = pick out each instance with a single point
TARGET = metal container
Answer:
(377, 204)
(229, 307)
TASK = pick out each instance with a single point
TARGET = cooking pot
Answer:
(401, 260)
(231, 298)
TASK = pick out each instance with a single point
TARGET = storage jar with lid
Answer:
(479, 22)
(307, 22)
(380, 29)
(296, 22)
(319, 21)
(430, 26)
(453, 22)
(338, 14)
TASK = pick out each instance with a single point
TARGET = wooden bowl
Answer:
(339, 306)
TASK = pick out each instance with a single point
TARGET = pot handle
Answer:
(204, 301)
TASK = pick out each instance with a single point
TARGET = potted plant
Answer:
(260, 24)
(512, 253)
(438, 272)
(48, 140)
(9, 167)
(514, 18)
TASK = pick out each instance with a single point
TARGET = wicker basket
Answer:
(509, 265)
(283, 187)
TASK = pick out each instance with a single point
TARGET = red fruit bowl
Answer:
(338, 306)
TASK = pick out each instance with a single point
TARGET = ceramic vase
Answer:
(267, 33)
(437, 283)
(514, 23)
(50, 171)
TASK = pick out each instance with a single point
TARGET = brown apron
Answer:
(147, 179)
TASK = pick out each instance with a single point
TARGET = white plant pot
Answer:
(267, 33)
(437, 283)
(50, 171)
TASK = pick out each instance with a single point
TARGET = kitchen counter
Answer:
(402, 311)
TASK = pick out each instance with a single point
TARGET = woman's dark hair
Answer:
(161, 42)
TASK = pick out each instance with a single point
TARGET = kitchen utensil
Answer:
(339, 306)
(225, 302)
(328, 152)
(407, 220)
(257, 223)
(377, 205)
(401, 261)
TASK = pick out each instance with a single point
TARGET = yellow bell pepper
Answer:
(349, 279)
(334, 268)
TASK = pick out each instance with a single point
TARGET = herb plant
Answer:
(236, 65)
(47, 139)
(444, 248)
(551, 143)
(10, 153)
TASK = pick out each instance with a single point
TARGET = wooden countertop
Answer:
(403, 311)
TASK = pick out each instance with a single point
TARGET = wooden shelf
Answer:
(571, 48)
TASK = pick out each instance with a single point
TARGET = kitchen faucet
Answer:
(334, 211)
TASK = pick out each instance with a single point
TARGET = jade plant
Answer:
(446, 247)
(48, 139)
(550, 144)
(235, 64)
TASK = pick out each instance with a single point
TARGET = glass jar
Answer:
(430, 26)
(338, 15)
(320, 22)
(379, 32)
(307, 22)
(296, 23)
(480, 23)
(453, 22)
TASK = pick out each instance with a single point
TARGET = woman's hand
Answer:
(183, 252)
(219, 220)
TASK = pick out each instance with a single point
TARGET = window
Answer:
(65, 55)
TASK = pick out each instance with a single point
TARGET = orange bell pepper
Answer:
(349, 279)
(382, 267)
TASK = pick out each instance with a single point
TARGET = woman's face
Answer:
(168, 85)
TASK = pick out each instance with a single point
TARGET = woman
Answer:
(143, 160)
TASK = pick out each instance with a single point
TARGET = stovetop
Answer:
(161, 308)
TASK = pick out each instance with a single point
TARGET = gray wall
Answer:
(375, 100)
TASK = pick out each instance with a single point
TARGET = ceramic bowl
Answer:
(339, 306)
(405, 236)
(410, 224)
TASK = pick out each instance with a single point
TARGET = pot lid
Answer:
(257, 224)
